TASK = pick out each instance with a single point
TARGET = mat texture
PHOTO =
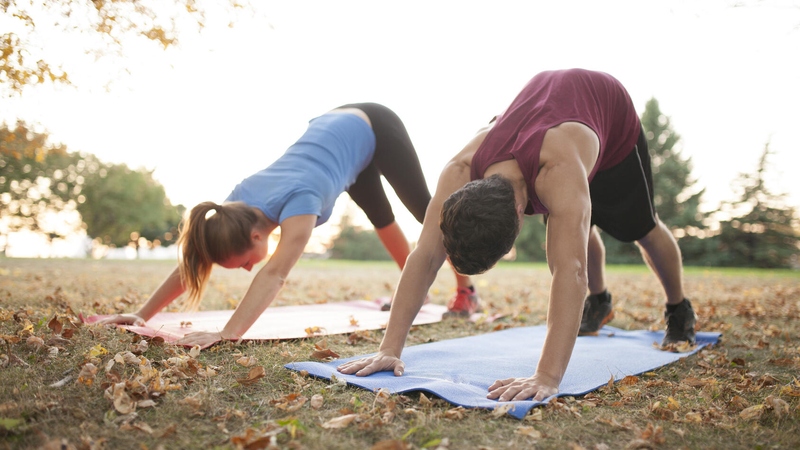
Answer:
(282, 322)
(461, 370)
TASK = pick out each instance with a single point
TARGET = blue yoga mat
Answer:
(460, 371)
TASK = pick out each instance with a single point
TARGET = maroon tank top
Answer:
(594, 99)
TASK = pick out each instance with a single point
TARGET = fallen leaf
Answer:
(247, 361)
(394, 444)
(324, 355)
(752, 413)
(55, 325)
(35, 342)
(340, 422)
(529, 432)
(455, 413)
(87, 374)
(255, 374)
(501, 410)
(353, 321)
(316, 401)
(777, 405)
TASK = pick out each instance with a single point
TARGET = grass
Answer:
(743, 393)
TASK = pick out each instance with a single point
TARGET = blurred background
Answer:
(119, 116)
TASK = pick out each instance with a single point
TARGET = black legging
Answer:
(395, 159)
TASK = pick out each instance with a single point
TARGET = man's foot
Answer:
(597, 311)
(463, 304)
(681, 320)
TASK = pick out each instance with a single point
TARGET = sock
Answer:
(671, 308)
(603, 297)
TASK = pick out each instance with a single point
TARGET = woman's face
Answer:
(249, 258)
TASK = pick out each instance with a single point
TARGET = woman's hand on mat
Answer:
(521, 389)
(381, 362)
(123, 319)
(201, 338)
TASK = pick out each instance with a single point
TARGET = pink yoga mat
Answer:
(281, 322)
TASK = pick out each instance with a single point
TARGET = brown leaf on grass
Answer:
(653, 433)
(394, 444)
(424, 400)
(792, 390)
(67, 333)
(35, 341)
(140, 347)
(324, 355)
(535, 415)
(697, 382)
(166, 431)
(340, 422)
(360, 335)
(316, 401)
(55, 325)
(247, 361)
(501, 410)
(455, 413)
(752, 413)
(778, 406)
(290, 402)
(123, 402)
(782, 362)
(738, 403)
(528, 431)
(87, 374)
(629, 380)
(255, 374)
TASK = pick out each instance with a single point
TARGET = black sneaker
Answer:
(680, 324)
(597, 311)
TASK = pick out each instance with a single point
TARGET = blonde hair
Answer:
(211, 234)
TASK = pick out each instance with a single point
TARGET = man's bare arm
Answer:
(420, 270)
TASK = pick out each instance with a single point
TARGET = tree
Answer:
(763, 231)
(46, 188)
(122, 205)
(39, 182)
(101, 27)
(530, 244)
(356, 243)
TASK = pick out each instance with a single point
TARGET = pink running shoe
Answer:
(465, 303)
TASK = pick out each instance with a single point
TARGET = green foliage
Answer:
(121, 201)
(40, 184)
(765, 232)
(530, 244)
(356, 243)
(37, 181)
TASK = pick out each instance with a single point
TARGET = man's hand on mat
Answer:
(381, 362)
(201, 338)
(123, 319)
(521, 389)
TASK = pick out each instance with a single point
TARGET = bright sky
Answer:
(231, 101)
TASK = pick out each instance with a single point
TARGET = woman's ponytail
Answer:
(211, 234)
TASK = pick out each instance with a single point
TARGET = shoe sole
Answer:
(606, 319)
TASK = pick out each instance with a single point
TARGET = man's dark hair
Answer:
(480, 224)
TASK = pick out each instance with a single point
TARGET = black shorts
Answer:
(395, 159)
(622, 196)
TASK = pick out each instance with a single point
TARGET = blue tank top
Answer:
(309, 177)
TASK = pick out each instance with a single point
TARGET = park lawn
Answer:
(742, 393)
